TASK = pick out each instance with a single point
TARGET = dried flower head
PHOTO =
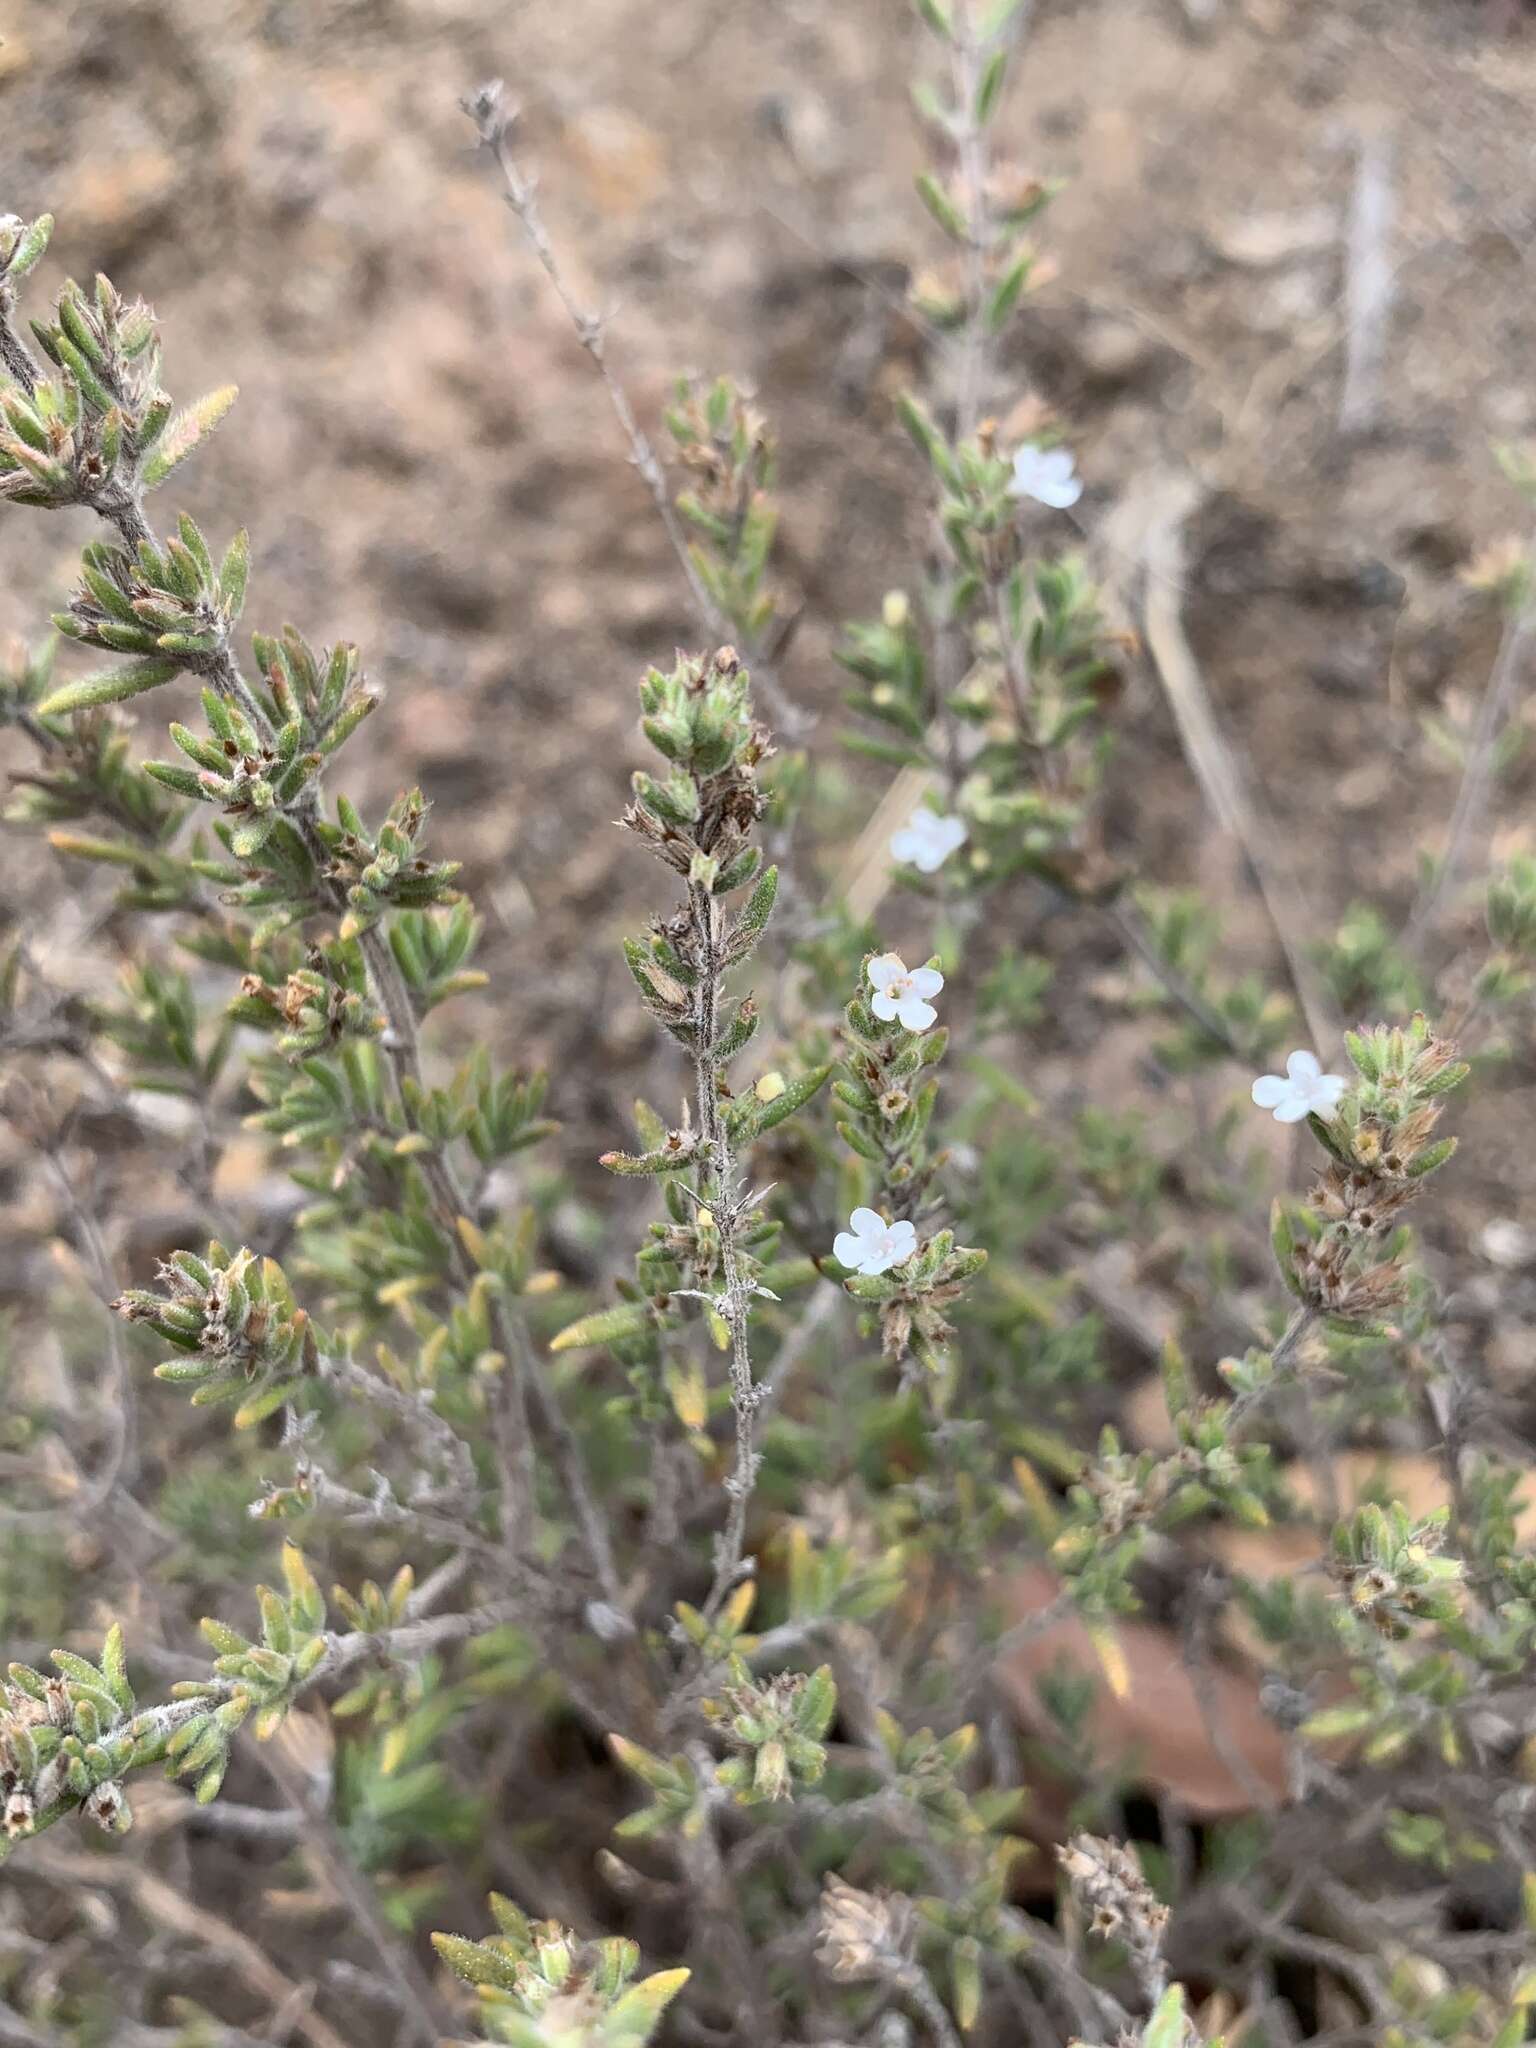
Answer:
(863, 1935)
(1108, 1885)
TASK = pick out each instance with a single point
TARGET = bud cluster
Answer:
(234, 1318)
(99, 431)
(887, 1097)
(67, 1741)
(543, 1987)
(777, 1726)
(1392, 1569)
(1381, 1145)
(863, 1937)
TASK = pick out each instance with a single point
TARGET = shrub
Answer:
(748, 1581)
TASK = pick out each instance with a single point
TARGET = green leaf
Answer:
(1167, 2026)
(942, 207)
(109, 686)
(476, 1962)
(631, 2022)
(606, 1326)
(114, 1668)
(187, 431)
(1430, 1158)
(234, 573)
(34, 240)
(1008, 291)
(753, 920)
(1336, 1721)
(990, 89)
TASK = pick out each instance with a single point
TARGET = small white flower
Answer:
(870, 1244)
(927, 840)
(1302, 1090)
(1046, 475)
(901, 997)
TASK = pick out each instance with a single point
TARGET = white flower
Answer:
(1045, 474)
(927, 840)
(870, 1244)
(901, 997)
(1303, 1090)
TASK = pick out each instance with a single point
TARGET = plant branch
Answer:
(735, 1304)
(494, 121)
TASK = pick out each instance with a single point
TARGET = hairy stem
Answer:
(735, 1300)
(1283, 1361)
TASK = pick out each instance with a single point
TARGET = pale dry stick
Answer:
(418, 2000)
(1171, 503)
(1206, 1598)
(1367, 282)
(166, 1908)
(494, 119)
(433, 1437)
(1127, 922)
(1356, 1970)
(987, 1656)
(1493, 715)
(98, 1491)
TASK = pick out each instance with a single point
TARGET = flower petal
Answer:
(1303, 1066)
(867, 1223)
(903, 1239)
(925, 981)
(1060, 496)
(848, 1250)
(884, 968)
(915, 1014)
(885, 1007)
(1292, 1110)
(1270, 1090)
